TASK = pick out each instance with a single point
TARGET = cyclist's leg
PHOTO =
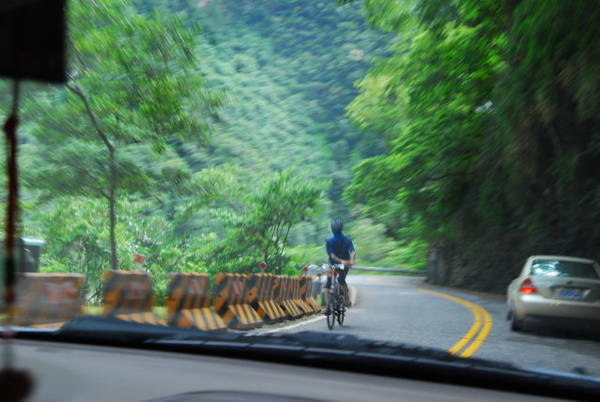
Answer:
(326, 293)
(341, 315)
(328, 282)
(331, 316)
(344, 286)
(337, 292)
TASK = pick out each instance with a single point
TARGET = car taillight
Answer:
(527, 286)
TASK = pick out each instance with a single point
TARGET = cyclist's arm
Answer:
(331, 254)
(336, 259)
(352, 251)
(347, 263)
(352, 257)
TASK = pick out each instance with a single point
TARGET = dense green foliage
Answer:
(489, 110)
(261, 232)
(289, 67)
(207, 136)
(132, 80)
(212, 135)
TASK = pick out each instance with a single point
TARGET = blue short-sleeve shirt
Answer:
(339, 245)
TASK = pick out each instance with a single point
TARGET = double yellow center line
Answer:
(477, 334)
(479, 331)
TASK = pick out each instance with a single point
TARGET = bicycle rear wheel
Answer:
(341, 313)
(331, 312)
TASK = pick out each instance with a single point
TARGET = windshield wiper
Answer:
(329, 351)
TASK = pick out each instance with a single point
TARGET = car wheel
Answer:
(516, 324)
(510, 313)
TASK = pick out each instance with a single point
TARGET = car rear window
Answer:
(564, 268)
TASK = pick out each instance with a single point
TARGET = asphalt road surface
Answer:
(407, 310)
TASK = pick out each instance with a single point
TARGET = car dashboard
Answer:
(74, 372)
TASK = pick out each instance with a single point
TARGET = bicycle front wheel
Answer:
(341, 314)
(331, 313)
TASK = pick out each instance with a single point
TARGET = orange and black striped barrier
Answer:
(302, 305)
(128, 296)
(260, 297)
(283, 296)
(188, 305)
(231, 302)
(306, 293)
(48, 300)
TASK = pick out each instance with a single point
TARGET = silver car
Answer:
(556, 288)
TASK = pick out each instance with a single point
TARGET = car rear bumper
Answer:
(539, 306)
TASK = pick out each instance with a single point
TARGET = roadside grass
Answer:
(159, 311)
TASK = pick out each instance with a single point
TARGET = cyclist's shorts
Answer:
(341, 276)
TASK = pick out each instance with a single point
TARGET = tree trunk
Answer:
(112, 173)
(114, 261)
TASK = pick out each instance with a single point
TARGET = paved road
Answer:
(406, 310)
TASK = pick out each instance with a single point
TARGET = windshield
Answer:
(564, 268)
(203, 164)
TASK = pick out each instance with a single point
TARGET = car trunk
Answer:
(565, 288)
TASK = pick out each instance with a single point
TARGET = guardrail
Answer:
(393, 270)
(316, 269)
(234, 301)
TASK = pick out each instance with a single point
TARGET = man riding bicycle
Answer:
(341, 252)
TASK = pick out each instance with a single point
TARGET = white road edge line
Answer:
(296, 325)
(353, 297)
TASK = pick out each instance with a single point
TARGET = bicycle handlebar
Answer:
(314, 269)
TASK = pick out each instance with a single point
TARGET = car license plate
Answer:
(567, 293)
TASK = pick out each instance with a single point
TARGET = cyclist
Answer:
(340, 250)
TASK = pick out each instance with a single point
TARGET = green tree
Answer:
(370, 241)
(80, 245)
(432, 117)
(133, 79)
(261, 233)
(486, 108)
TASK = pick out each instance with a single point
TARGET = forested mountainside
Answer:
(490, 109)
(205, 135)
(289, 69)
(210, 135)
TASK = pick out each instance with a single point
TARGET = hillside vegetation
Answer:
(490, 114)
(212, 135)
(206, 136)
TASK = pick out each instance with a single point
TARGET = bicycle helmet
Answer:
(337, 224)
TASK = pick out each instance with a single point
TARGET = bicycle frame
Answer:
(336, 309)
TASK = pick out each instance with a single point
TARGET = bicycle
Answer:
(336, 309)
